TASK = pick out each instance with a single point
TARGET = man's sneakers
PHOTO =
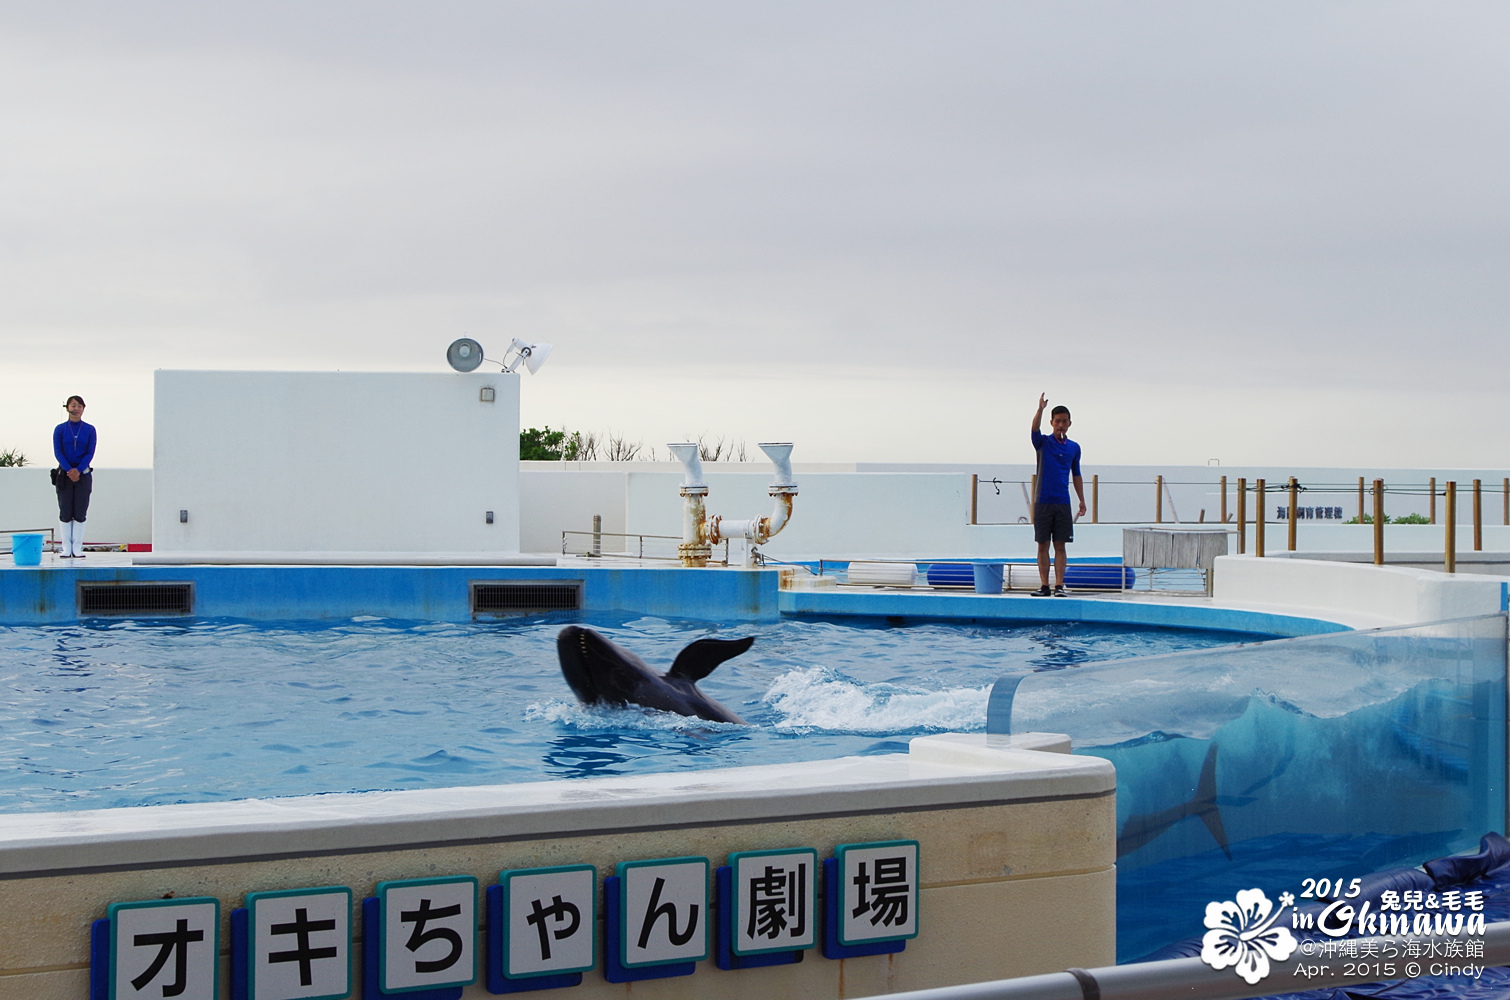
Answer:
(1046, 592)
(1059, 592)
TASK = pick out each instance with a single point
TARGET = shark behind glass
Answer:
(601, 672)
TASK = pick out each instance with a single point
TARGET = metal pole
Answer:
(1224, 499)
(1242, 515)
(1452, 527)
(1194, 979)
(974, 494)
(1478, 515)
(1158, 499)
(1433, 507)
(1360, 500)
(1507, 501)
(597, 534)
(1258, 521)
(1095, 499)
(1293, 512)
(1378, 522)
(1033, 501)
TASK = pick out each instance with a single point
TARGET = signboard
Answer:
(774, 897)
(165, 949)
(428, 933)
(299, 944)
(879, 888)
(421, 935)
(663, 911)
(549, 920)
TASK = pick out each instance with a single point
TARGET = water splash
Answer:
(819, 698)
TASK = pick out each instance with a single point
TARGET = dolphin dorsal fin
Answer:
(699, 659)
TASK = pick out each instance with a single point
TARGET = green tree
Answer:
(536, 445)
(12, 458)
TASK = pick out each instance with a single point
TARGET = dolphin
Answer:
(1205, 805)
(601, 671)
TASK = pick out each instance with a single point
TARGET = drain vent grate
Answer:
(525, 596)
(136, 598)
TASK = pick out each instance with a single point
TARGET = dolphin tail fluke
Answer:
(699, 659)
(1205, 802)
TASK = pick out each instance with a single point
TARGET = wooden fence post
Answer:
(1242, 515)
(1451, 555)
(1294, 511)
(1258, 522)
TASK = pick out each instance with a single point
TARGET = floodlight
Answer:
(464, 355)
(531, 355)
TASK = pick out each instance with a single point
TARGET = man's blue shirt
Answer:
(1057, 461)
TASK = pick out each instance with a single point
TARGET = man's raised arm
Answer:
(1043, 400)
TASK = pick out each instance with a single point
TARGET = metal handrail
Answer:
(596, 551)
(1190, 978)
(51, 533)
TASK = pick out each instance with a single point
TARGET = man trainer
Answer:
(1058, 462)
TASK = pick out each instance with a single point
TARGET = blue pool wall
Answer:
(993, 609)
(46, 595)
(427, 593)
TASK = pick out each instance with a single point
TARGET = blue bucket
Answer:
(26, 549)
(988, 578)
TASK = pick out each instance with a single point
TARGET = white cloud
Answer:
(889, 224)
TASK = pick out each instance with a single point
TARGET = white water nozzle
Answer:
(780, 454)
(692, 465)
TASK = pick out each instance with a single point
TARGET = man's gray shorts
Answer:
(1053, 522)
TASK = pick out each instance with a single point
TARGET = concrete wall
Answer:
(120, 507)
(841, 511)
(1017, 851)
(559, 496)
(335, 462)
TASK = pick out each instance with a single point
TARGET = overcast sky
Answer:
(1260, 232)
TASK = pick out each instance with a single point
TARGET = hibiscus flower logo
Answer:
(1243, 934)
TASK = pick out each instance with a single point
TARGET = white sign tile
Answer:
(774, 897)
(165, 949)
(550, 920)
(429, 933)
(665, 911)
(300, 944)
(879, 887)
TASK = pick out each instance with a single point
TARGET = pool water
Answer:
(127, 713)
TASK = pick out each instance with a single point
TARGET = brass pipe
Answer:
(1433, 502)
(1452, 527)
(1360, 500)
(1258, 522)
(1478, 515)
(1158, 499)
(1378, 522)
(1095, 499)
(1294, 512)
(1224, 499)
(974, 496)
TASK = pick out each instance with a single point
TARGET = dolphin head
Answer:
(599, 669)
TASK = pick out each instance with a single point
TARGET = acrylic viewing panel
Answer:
(1267, 762)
